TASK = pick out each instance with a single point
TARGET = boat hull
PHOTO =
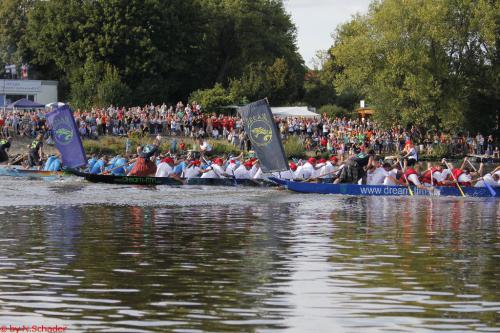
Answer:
(133, 180)
(19, 172)
(382, 190)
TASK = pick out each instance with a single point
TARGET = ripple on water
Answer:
(130, 259)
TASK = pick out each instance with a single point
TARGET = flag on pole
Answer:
(67, 137)
(266, 141)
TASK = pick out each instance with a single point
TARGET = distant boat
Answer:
(382, 190)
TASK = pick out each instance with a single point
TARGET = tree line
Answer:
(426, 63)
(136, 51)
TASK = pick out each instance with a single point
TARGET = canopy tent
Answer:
(294, 111)
(24, 103)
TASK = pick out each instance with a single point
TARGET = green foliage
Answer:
(332, 110)
(294, 147)
(438, 152)
(111, 89)
(14, 14)
(161, 49)
(211, 99)
(84, 82)
(222, 147)
(318, 92)
(422, 62)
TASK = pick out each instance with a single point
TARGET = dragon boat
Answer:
(152, 181)
(14, 171)
(383, 190)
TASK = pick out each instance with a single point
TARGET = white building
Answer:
(39, 91)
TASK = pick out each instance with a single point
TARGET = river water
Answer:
(104, 258)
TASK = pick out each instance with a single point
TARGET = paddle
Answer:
(454, 178)
(488, 186)
(326, 174)
(407, 182)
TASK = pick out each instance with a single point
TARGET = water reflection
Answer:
(318, 265)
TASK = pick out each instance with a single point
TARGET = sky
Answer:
(316, 20)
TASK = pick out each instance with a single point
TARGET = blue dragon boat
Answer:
(383, 190)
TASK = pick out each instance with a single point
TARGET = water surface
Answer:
(104, 258)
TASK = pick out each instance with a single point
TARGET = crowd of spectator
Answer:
(332, 134)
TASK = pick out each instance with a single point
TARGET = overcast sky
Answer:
(317, 19)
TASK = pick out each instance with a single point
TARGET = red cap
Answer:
(312, 160)
(248, 164)
(323, 160)
(232, 162)
(334, 159)
(168, 160)
(218, 161)
(293, 166)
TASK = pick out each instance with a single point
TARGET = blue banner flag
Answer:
(264, 135)
(67, 137)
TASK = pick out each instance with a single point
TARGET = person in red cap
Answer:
(193, 169)
(308, 170)
(244, 170)
(165, 168)
(215, 170)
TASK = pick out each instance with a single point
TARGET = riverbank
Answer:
(117, 145)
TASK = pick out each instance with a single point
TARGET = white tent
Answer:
(294, 111)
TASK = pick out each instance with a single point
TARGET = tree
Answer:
(420, 62)
(14, 14)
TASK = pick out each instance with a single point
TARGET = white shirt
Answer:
(299, 173)
(307, 170)
(376, 177)
(327, 170)
(192, 172)
(164, 170)
(259, 174)
(230, 168)
(464, 178)
(413, 178)
(487, 178)
(216, 171)
(441, 176)
(393, 173)
(288, 174)
(242, 173)
(253, 171)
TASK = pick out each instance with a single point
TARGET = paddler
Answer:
(5, 145)
(215, 170)
(166, 168)
(35, 154)
(193, 169)
(144, 166)
(355, 167)
(244, 171)
(410, 175)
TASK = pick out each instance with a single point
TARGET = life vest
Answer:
(2, 142)
(408, 173)
(456, 173)
(427, 178)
